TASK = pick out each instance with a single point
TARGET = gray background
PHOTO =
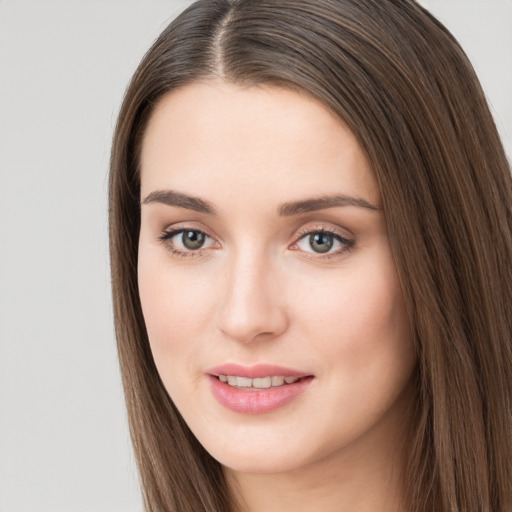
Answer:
(64, 444)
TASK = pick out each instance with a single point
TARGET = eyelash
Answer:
(346, 242)
(166, 237)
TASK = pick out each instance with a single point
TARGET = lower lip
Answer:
(254, 400)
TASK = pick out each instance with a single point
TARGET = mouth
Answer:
(257, 389)
(273, 381)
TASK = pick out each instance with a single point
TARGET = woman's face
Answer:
(264, 255)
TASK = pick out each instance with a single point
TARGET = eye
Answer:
(186, 241)
(323, 242)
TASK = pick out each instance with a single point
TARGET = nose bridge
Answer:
(252, 304)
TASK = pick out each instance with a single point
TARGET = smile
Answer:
(260, 383)
(256, 389)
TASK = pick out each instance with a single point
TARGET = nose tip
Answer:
(252, 307)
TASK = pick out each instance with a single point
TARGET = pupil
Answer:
(192, 239)
(320, 242)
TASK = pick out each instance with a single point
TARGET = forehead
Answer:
(216, 137)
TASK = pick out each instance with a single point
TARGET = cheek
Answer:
(361, 342)
(177, 307)
(359, 325)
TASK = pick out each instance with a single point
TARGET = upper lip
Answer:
(257, 371)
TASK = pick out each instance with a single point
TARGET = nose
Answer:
(252, 305)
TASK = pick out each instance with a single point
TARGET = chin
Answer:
(276, 457)
(260, 463)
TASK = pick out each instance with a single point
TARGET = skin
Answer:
(257, 292)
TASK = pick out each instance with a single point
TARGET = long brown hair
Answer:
(404, 86)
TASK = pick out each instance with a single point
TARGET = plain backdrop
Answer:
(64, 444)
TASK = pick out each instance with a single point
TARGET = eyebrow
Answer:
(172, 198)
(321, 203)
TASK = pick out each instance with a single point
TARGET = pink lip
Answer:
(252, 400)
(255, 372)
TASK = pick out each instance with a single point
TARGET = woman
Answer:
(310, 215)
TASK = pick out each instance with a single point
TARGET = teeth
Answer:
(244, 382)
(277, 381)
(266, 382)
(260, 383)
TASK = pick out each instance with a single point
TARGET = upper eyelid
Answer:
(299, 233)
(180, 227)
(322, 228)
(303, 230)
(345, 240)
(169, 233)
